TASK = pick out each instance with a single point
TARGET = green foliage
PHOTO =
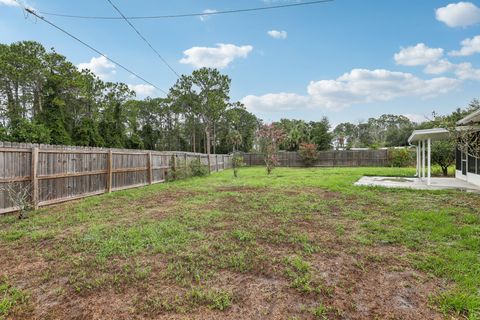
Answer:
(388, 130)
(237, 163)
(400, 157)
(443, 154)
(320, 134)
(308, 153)
(24, 130)
(197, 168)
(299, 131)
(269, 138)
(183, 170)
(48, 100)
(3, 133)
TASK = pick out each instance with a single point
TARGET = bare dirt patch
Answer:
(384, 288)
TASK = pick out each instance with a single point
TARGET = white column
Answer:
(417, 149)
(423, 159)
(429, 160)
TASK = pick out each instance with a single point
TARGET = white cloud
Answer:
(142, 90)
(461, 14)
(205, 17)
(278, 34)
(469, 47)
(418, 55)
(217, 57)
(439, 67)
(275, 102)
(10, 3)
(366, 86)
(465, 71)
(359, 86)
(101, 66)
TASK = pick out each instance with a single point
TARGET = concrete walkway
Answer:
(416, 183)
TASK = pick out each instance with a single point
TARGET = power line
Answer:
(143, 38)
(185, 15)
(31, 11)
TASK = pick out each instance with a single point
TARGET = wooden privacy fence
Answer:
(333, 158)
(60, 173)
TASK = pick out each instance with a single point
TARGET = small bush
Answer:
(308, 153)
(237, 162)
(403, 157)
(183, 170)
(197, 168)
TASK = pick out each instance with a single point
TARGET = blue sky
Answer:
(348, 60)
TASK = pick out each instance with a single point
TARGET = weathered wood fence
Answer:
(333, 158)
(62, 173)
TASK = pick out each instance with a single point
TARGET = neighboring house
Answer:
(467, 166)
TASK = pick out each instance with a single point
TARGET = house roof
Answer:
(434, 134)
(473, 117)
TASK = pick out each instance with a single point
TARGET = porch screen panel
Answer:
(472, 164)
(458, 158)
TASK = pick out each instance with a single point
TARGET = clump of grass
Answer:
(298, 271)
(9, 297)
(214, 299)
(243, 235)
(320, 312)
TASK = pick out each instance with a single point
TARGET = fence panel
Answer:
(62, 173)
(331, 158)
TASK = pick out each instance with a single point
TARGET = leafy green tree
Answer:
(27, 131)
(87, 134)
(443, 154)
(320, 134)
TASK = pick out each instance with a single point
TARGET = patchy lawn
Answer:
(299, 244)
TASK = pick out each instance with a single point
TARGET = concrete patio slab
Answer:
(416, 183)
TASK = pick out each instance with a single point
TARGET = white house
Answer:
(467, 166)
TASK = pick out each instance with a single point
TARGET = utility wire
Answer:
(198, 14)
(144, 39)
(32, 12)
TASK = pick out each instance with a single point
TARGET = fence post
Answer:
(34, 178)
(223, 158)
(216, 162)
(149, 168)
(185, 158)
(109, 171)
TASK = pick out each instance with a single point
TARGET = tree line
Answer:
(44, 98)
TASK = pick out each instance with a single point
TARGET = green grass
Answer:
(182, 247)
(9, 297)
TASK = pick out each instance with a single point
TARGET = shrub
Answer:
(183, 170)
(237, 162)
(269, 138)
(400, 157)
(197, 168)
(308, 153)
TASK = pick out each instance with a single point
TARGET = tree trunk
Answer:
(445, 171)
(193, 137)
(208, 143)
(214, 140)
